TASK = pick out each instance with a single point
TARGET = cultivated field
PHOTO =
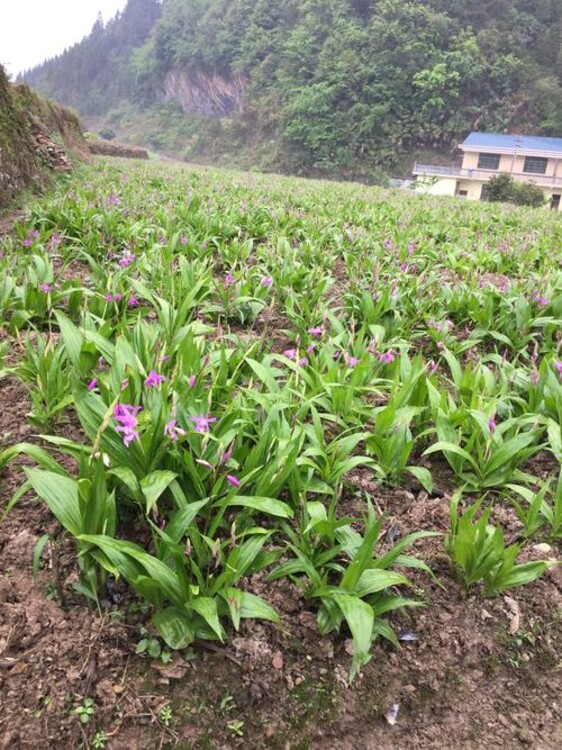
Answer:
(280, 467)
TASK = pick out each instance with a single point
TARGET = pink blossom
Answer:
(290, 353)
(234, 481)
(228, 279)
(127, 259)
(267, 281)
(387, 357)
(192, 380)
(535, 376)
(201, 423)
(228, 454)
(46, 288)
(93, 384)
(172, 430)
(316, 331)
(126, 415)
(153, 379)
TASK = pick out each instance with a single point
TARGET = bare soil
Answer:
(478, 674)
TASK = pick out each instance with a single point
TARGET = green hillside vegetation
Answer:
(36, 136)
(331, 87)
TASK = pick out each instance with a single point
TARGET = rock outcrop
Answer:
(204, 94)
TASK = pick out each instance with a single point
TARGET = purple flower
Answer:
(127, 259)
(387, 357)
(201, 424)
(154, 379)
(535, 376)
(267, 281)
(133, 302)
(113, 199)
(93, 384)
(228, 279)
(126, 415)
(192, 380)
(108, 297)
(172, 430)
(492, 424)
(316, 331)
(55, 239)
(351, 361)
(310, 349)
(46, 288)
(234, 481)
(303, 361)
(228, 454)
(558, 366)
(118, 297)
(432, 365)
(27, 242)
(183, 240)
(290, 353)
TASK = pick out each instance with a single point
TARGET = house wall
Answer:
(510, 163)
(445, 186)
(473, 189)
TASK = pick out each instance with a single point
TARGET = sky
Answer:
(31, 31)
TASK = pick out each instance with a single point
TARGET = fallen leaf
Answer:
(175, 669)
(514, 614)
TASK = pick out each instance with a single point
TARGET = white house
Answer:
(526, 158)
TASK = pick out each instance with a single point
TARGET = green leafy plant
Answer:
(349, 584)
(478, 552)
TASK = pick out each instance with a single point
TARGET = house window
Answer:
(535, 164)
(488, 161)
(555, 202)
(485, 192)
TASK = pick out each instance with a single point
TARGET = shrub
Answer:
(504, 188)
(108, 134)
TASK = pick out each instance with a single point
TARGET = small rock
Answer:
(277, 661)
(391, 715)
(543, 549)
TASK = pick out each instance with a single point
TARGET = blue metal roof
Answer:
(520, 142)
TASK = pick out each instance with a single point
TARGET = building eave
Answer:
(512, 151)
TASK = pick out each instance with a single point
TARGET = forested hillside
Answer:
(339, 87)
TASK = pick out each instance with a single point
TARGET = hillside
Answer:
(338, 87)
(37, 137)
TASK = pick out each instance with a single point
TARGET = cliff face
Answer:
(36, 137)
(198, 93)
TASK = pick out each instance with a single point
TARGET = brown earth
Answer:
(482, 674)
(110, 148)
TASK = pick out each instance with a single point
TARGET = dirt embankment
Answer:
(37, 137)
(110, 148)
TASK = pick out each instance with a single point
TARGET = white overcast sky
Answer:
(33, 30)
